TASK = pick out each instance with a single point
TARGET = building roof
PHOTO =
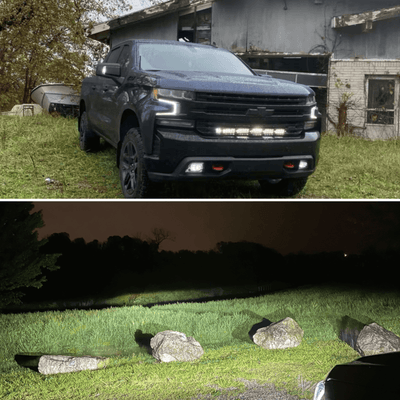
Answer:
(101, 31)
(366, 18)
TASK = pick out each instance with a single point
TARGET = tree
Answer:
(45, 41)
(158, 236)
(21, 261)
(17, 16)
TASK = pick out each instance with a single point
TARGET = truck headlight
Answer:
(314, 113)
(310, 99)
(313, 119)
(173, 94)
(319, 393)
(174, 106)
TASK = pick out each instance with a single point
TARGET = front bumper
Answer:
(239, 158)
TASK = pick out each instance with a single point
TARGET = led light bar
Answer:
(251, 132)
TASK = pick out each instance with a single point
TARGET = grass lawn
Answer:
(221, 327)
(35, 148)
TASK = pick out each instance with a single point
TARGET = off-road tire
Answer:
(88, 140)
(284, 187)
(133, 176)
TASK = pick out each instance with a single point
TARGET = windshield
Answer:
(170, 57)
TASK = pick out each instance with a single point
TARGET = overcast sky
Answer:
(308, 227)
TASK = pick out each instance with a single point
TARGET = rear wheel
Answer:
(135, 182)
(283, 187)
(88, 140)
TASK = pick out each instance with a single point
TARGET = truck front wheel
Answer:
(283, 187)
(88, 140)
(132, 172)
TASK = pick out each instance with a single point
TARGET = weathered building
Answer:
(348, 51)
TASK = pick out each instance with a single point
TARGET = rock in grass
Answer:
(175, 346)
(279, 335)
(61, 364)
(374, 339)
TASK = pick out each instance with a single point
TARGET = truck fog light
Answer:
(195, 167)
(303, 164)
(310, 125)
(174, 122)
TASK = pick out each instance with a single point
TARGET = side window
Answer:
(124, 59)
(113, 56)
(380, 101)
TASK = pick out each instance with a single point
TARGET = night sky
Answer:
(288, 227)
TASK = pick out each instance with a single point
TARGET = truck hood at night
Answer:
(223, 82)
(381, 370)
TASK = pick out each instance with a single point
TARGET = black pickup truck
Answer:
(186, 111)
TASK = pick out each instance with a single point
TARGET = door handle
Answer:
(105, 88)
(94, 87)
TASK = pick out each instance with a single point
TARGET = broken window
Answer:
(195, 27)
(380, 108)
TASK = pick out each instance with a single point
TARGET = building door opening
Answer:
(195, 26)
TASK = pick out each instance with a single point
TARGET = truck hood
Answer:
(230, 83)
(381, 370)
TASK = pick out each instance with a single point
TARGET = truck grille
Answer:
(248, 99)
(241, 111)
(277, 108)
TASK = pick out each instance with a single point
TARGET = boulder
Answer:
(279, 335)
(170, 346)
(61, 364)
(373, 339)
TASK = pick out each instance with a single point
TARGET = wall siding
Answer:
(265, 26)
(165, 27)
(355, 73)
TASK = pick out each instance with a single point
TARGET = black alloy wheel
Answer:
(132, 171)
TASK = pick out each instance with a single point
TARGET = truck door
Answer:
(101, 98)
(114, 96)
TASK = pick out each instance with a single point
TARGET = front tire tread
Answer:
(135, 182)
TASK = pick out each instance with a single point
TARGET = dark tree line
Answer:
(90, 268)
(96, 268)
(131, 264)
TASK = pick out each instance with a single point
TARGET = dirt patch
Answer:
(254, 391)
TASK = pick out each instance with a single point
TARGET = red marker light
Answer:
(288, 165)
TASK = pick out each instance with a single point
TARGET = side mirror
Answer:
(107, 69)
